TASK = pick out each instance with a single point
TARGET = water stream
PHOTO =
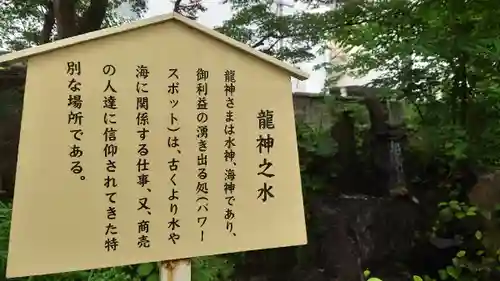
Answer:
(395, 154)
(396, 161)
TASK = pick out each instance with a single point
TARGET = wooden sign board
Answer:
(163, 142)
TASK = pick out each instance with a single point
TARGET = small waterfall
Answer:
(397, 174)
(396, 160)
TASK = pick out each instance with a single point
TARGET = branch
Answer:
(48, 23)
(65, 15)
(262, 40)
(177, 6)
(273, 34)
(93, 17)
(273, 44)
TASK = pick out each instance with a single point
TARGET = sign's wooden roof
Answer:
(38, 50)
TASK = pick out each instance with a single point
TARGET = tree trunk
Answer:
(63, 12)
(65, 15)
(48, 24)
(69, 24)
(92, 18)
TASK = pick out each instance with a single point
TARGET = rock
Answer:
(346, 236)
(367, 232)
(486, 193)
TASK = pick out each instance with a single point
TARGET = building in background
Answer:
(338, 56)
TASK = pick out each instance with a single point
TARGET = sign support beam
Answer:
(175, 270)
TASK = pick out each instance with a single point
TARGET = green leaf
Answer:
(442, 274)
(145, 269)
(460, 215)
(455, 206)
(470, 213)
(453, 271)
(478, 235)
(417, 278)
(153, 277)
(446, 214)
(472, 209)
(366, 273)
(442, 204)
(461, 254)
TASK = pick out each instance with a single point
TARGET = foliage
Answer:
(442, 58)
(257, 24)
(21, 21)
(315, 148)
(212, 269)
(25, 23)
(5, 216)
(477, 257)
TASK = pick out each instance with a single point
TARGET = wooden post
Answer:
(175, 270)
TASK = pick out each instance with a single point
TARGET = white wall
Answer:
(337, 55)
